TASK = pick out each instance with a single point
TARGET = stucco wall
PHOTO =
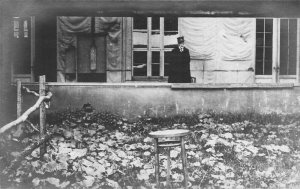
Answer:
(131, 100)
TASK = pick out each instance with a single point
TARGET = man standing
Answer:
(180, 65)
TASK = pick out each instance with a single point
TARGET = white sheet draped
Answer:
(222, 49)
(221, 39)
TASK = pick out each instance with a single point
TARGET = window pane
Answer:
(140, 39)
(139, 63)
(170, 39)
(140, 23)
(268, 67)
(260, 39)
(292, 60)
(168, 60)
(156, 57)
(259, 25)
(259, 67)
(268, 39)
(268, 53)
(155, 69)
(283, 25)
(171, 24)
(139, 57)
(284, 40)
(140, 71)
(155, 39)
(293, 26)
(259, 53)
(269, 25)
(268, 61)
(284, 47)
(155, 63)
(155, 23)
(292, 47)
(283, 54)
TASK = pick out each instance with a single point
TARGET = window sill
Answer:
(173, 86)
(105, 85)
(150, 78)
(232, 86)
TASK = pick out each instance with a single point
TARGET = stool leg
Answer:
(184, 162)
(156, 162)
(168, 169)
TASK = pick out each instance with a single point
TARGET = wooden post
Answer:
(18, 132)
(156, 162)
(42, 114)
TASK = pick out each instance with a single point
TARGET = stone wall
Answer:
(132, 100)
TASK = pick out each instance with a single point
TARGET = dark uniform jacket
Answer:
(180, 66)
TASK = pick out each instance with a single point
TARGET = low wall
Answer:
(134, 99)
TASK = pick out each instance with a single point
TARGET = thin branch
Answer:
(32, 126)
(25, 115)
(29, 91)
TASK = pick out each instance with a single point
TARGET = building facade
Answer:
(127, 49)
(248, 47)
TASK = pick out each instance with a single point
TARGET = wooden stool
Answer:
(170, 138)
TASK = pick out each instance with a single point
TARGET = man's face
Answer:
(180, 45)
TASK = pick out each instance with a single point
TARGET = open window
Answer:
(79, 67)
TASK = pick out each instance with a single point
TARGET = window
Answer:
(21, 42)
(288, 46)
(153, 40)
(284, 42)
(264, 43)
(83, 70)
(89, 49)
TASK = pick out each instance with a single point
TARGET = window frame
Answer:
(287, 64)
(161, 49)
(276, 77)
(264, 46)
(25, 77)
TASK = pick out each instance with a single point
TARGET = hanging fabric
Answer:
(229, 39)
(69, 27)
(222, 49)
(111, 26)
